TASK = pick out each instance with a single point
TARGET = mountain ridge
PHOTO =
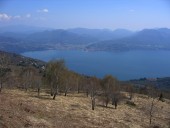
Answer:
(86, 39)
(147, 39)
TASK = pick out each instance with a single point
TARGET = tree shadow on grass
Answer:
(103, 106)
(42, 97)
(77, 96)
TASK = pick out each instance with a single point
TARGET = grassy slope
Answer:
(19, 109)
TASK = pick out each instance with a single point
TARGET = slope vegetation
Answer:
(21, 109)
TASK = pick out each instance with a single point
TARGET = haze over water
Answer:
(123, 65)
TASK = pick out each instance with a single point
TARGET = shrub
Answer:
(131, 103)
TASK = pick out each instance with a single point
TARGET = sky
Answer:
(63, 14)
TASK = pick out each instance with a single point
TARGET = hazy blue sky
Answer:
(112, 14)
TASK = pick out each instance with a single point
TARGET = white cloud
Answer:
(43, 10)
(28, 15)
(17, 17)
(4, 16)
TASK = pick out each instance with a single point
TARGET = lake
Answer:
(122, 65)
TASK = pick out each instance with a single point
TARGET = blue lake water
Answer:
(122, 65)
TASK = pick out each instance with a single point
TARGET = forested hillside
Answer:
(40, 93)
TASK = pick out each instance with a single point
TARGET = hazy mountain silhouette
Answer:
(147, 39)
(60, 36)
(22, 29)
(88, 39)
(102, 34)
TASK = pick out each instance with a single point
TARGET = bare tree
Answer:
(68, 81)
(85, 83)
(151, 111)
(130, 90)
(4, 68)
(38, 89)
(94, 85)
(109, 86)
(37, 81)
(77, 82)
(153, 94)
(116, 96)
(2, 75)
(28, 75)
(53, 75)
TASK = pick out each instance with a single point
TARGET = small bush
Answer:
(131, 103)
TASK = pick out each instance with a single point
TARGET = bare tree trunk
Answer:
(38, 91)
(115, 104)
(93, 98)
(93, 103)
(66, 89)
(54, 95)
(107, 101)
(161, 97)
(150, 112)
(1, 87)
(65, 93)
(51, 91)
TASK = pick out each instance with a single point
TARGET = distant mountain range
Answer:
(102, 34)
(147, 39)
(25, 38)
(22, 29)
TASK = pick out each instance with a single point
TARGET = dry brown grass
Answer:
(19, 109)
